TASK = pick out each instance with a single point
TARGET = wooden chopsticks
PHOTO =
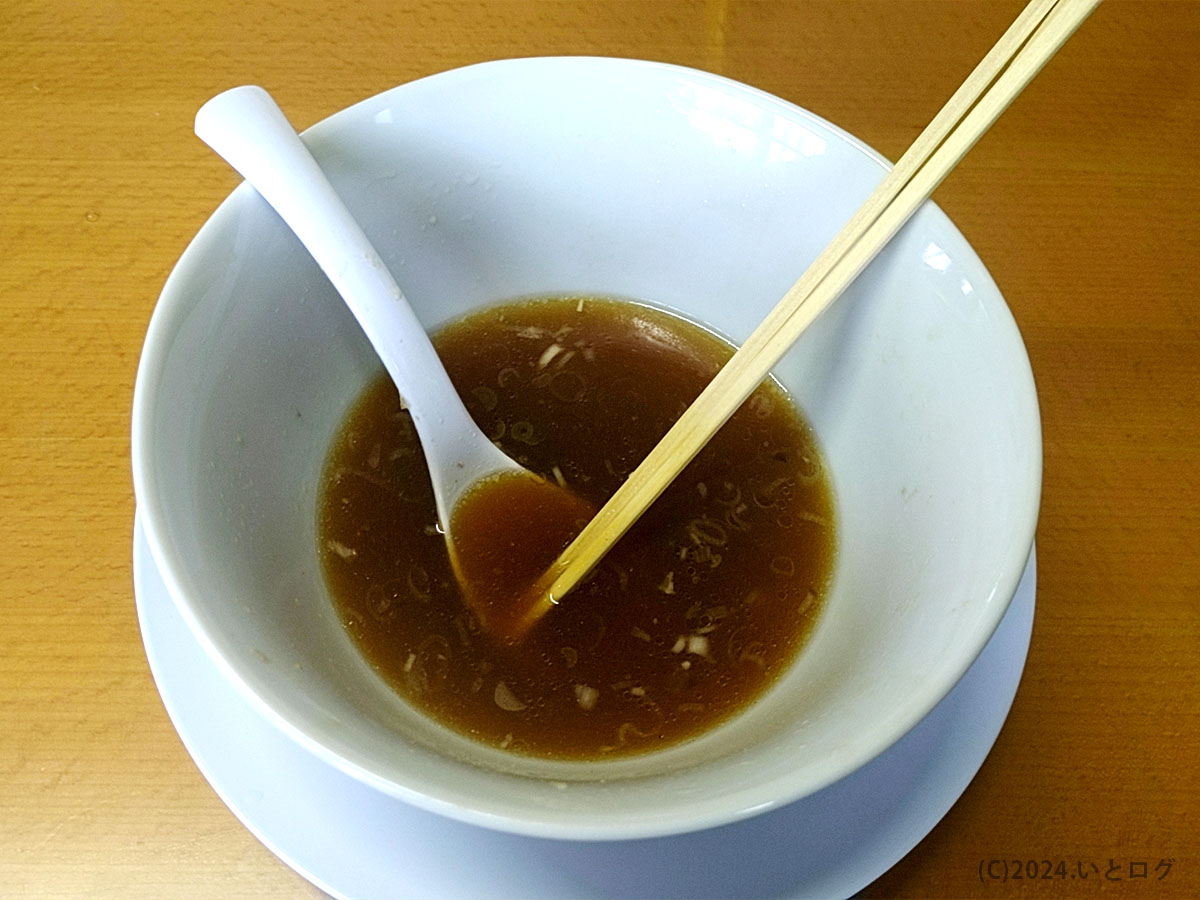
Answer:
(1033, 38)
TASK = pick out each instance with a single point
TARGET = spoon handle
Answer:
(246, 127)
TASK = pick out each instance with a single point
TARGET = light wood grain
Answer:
(1082, 200)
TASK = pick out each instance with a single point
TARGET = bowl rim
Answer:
(691, 816)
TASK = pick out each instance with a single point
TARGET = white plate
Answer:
(352, 841)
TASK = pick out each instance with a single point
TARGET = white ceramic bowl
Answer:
(647, 181)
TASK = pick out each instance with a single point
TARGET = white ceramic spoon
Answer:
(246, 127)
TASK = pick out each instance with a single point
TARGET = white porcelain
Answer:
(246, 127)
(642, 180)
(355, 842)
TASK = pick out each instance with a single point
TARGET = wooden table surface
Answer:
(1082, 201)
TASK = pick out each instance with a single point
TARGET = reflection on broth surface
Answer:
(693, 614)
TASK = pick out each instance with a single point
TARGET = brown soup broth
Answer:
(694, 613)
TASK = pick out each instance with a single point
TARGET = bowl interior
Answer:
(660, 184)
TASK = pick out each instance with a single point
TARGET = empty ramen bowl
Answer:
(617, 178)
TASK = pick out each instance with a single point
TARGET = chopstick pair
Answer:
(1033, 38)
